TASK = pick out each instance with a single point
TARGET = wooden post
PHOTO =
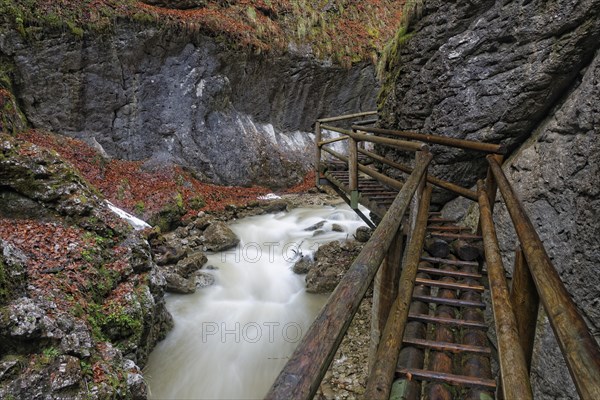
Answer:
(353, 171)
(417, 198)
(525, 302)
(318, 138)
(491, 188)
(385, 290)
(380, 379)
(513, 367)
(578, 346)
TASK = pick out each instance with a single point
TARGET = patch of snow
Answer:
(135, 222)
(270, 196)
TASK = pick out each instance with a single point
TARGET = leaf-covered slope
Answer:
(344, 30)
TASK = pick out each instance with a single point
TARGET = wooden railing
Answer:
(515, 309)
(578, 346)
(301, 376)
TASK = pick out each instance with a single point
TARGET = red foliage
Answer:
(126, 185)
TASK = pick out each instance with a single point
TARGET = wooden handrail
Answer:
(513, 366)
(391, 182)
(400, 144)
(434, 139)
(380, 379)
(578, 346)
(452, 187)
(301, 376)
(329, 141)
(347, 116)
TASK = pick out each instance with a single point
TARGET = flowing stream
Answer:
(231, 339)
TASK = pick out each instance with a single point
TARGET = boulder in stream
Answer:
(218, 237)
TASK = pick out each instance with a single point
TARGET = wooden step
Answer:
(451, 379)
(460, 263)
(454, 274)
(445, 346)
(452, 235)
(449, 302)
(446, 321)
(449, 285)
(450, 228)
(440, 220)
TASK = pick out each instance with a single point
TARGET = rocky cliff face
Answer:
(526, 74)
(81, 299)
(487, 71)
(556, 175)
(146, 93)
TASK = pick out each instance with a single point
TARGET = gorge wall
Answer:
(526, 74)
(172, 97)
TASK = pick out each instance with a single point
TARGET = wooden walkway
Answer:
(443, 310)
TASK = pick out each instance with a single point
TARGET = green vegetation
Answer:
(387, 68)
(197, 202)
(12, 119)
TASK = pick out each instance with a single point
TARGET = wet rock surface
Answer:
(218, 237)
(555, 175)
(331, 262)
(148, 93)
(79, 290)
(487, 71)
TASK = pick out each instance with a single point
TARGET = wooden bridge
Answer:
(431, 277)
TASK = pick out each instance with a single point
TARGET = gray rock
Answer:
(67, 374)
(363, 234)
(150, 93)
(218, 237)
(191, 264)
(337, 228)
(303, 265)
(135, 380)
(276, 206)
(332, 260)
(316, 226)
(204, 279)
(485, 70)
(28, 320)
(178, 284)
(556, 177)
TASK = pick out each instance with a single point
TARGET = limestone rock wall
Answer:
(556, 175)
(147, 93)
(485, 70)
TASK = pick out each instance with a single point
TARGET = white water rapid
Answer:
(231, 340)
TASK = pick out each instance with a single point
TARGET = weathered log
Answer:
(525, 302)
(443, 140)
(382, 374)
(513, 369)
(385, 290)
(437, 247)
(580, 349)
(302, 374)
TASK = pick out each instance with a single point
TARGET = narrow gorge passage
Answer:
(231, 339)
